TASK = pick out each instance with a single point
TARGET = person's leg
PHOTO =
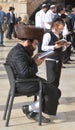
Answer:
(32, 112)
(12, 29)
(73, 41)
(51, 99)
(8, 35)
(53, 71)
(1, 38)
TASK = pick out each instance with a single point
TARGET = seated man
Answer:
(24, 67)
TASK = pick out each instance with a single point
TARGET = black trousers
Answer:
(53, 71)
(50, 95)
(10, 31)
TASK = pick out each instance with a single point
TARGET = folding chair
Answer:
(12, 93)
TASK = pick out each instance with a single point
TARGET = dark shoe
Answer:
(2, 45)
(63, 66)
(25, 109)
(68, 62)
(71, 60)
(35, 116)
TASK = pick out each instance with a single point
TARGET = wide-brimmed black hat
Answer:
(29, 32)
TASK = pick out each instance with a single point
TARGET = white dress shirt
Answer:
(49, 16)
(46, 41)
(11, 17)
(65, 31)
(39, 19)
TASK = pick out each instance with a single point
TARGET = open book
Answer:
(46, 54)
(63, 42)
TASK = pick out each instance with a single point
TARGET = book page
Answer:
(63, 42)
(46, 54)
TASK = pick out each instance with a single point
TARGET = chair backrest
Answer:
(10, 75)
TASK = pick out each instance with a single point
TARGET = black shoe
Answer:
(25, 109)
(68, 62)
(71, 60)
(35, 116)
(63, 66)
(2, 45)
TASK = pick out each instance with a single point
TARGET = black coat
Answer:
(24, 66)
(9, 19)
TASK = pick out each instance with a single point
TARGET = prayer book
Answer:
(63, 42)
(46, 54)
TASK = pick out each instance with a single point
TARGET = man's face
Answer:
(31, 46)
(34, 44)
(54, 10)
(60, 28)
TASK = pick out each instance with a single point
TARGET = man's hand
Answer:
(38, 61)
(58, 45)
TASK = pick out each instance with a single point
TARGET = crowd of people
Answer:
(7, 23)
(57, 23)
(50, 14)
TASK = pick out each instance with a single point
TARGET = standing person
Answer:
(67, 35)
(39, 20)
(2, 20)
(60, 10)
(49, 17)
(25, 66)
(54, 62)
(72, 15)
(10, 22)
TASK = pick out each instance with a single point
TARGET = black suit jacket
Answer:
(9, 18)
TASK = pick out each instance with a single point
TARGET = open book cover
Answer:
(63, 42)
(46, 54)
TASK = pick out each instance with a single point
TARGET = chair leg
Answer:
(35, 98)
(40, 102)
(9, 111)
(6, 108)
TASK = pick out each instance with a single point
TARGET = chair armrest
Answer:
(27, 80)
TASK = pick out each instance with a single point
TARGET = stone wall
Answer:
(32, 5)
(22, 7)
(19, 5)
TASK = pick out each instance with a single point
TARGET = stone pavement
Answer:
(65, 118)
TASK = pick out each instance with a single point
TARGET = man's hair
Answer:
(24, 39)
(57, 21)
(63, 16)
(11, 8)
(59, 8)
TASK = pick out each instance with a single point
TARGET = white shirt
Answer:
(65, 31)
(11, 16)
(46, 41)
(39, 19)
(49, 16)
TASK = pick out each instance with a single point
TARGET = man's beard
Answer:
(30, 49)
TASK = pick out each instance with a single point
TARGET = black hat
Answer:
(11, 8)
